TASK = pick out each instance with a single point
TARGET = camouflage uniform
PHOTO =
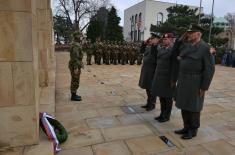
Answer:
(107, 53)
(132, 54)
(139, 55)
(95, 48)
(115, 54)
(99, 52)
(89, 52)
(111, 52)
(124, 54)
(75, 62)
(104, 50)
(119, 52)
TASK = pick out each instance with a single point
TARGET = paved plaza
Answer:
(109, 120)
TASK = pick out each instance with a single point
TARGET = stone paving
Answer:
(109, 120)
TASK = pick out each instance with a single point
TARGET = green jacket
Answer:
(161, 82)
(196, 71)
(76, 56)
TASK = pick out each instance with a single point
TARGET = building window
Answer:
(139, 26)
(136, 22)
(132, 27)
(159, 18)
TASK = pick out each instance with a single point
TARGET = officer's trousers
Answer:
(166, 107)
(191, 119)
(151, 101)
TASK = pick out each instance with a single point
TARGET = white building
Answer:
(139, 17)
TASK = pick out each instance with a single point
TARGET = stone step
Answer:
(45, 147)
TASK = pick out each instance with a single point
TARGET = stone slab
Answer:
(15, 36)
(102, 122)
(77, 151)
(219, 147)
(126, 132)
(6, 85)
(12, 151)
(196, 150)
(112, 111)
(13, 5)
(111, 148)
(130, 119)
(18, 126)
(43, 148)
(23, 83)
(146, 145)
(78, 115)
(171, 152)
(82, 138)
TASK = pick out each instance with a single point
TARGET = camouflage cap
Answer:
(77, 34)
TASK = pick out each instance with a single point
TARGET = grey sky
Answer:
(221, 6)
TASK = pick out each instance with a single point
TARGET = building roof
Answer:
(161, 2)
(220, 20)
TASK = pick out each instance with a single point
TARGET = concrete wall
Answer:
(20, 63)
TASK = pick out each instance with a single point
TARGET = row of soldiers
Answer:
(113, 52)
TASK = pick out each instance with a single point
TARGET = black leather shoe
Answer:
(181, 132)
(75, 97)
(157, 118)
(150, 108)
(144, 106)
(162, 120)
(189, 135)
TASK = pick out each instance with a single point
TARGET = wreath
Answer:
(59, 129)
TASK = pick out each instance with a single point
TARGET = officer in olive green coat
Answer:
(75, 65)
(162, 86)
(148, 69)
(196, 71)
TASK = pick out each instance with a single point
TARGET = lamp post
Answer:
(200, 11)
(212, 15)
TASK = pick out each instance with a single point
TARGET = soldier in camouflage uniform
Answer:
(107, 53)
(119, 52)
(115, 53)
(75, 65)
(124, 54)
(95, 45)
(99, 52)
(104, 50)
(132, 53)
(89, 51)
(111, 52)
(139, 55)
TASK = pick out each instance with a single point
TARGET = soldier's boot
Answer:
(167, 110)
(150, 107)
(181, 131)
(107, 62)
(123, 62)
(189, 134)
(75, 97)
(162, 112)
(89, 60)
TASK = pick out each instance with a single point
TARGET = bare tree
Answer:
(231, 19)
(78, 12)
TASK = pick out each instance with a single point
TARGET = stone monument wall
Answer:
(26, 50)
